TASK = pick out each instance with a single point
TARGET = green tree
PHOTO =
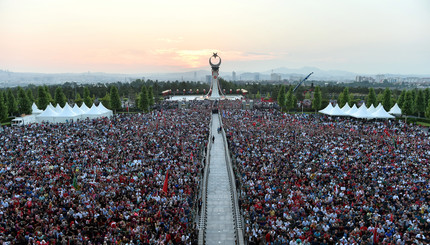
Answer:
(144, 103)
(151, 96)
(12, 104)
(316, 103)
(407, 108)
(426, 95)
(289, 102)
(115, 101)
(50, 99)
(87, 97)
(79, 100)
(401, 99)
(59, 97)
(30, 95)
(344, 97)
(379, 98)
(428, 110)
(106, 100)
(24, 105)
(386, 99)
(419, 104)
(258, 95)
(371, 98)
(3, 108)
(42, 98)
(268, 96)
(281, 98)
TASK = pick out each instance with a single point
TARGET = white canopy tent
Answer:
(352, 110)
(395, 110)
(346, 108)
(336, 111)
(92, 113)
(371, 109)
(328, 108)
(84, 108)
(48, 115)
(106, 112)
(35, 110)
(381, 113)
(77, 111)
(362, 112)
(58, 108)
(66, 115)
(51, 106)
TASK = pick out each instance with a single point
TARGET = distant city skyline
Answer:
(133, 36)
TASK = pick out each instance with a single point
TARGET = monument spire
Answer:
(215, 92)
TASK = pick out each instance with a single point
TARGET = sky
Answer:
(145, 36)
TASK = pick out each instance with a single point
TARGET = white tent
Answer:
(106, 112)
(93, 112)
(51, 106)
(58, 108)
(362, 112)
(395, 110)
(379, 106)
(381, 113)
(336, 111)
(328, 108)
(84, 108)
(77, 110)
(48, 115)
(346, 108)
(371, 109)
(66, 115)
(352, 110)
(35, 109)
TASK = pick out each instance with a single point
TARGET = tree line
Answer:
(19, 101)
(132, 95)
(412, 102)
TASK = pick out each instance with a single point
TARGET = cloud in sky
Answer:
(143, 36)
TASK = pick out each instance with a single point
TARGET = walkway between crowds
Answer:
(220, 223)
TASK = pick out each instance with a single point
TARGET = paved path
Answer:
(220, 223)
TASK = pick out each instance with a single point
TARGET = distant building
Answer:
(275, 77)
(364, 78)
(233, 74)
(257, 77)
(379, 78)
(208, 78)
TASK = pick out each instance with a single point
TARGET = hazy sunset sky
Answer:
(141, 36)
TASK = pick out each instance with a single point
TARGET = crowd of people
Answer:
(129, 179)
(311, 179)
(134, 179)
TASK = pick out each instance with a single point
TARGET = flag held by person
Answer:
(166, 182)
(75, 182)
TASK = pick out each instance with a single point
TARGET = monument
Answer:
(215, 91)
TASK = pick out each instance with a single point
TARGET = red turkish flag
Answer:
(166, 181)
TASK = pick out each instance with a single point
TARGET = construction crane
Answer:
(300, 83)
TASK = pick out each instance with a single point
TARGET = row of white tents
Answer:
(67, 113)
(362, 112)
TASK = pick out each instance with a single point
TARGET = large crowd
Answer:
(134, 179)
(311, 179)
(104, 181)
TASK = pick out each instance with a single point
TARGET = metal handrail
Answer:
(203, 211)
(236, 209)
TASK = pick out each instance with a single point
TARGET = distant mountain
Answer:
(12, 79)
(318, 73)
(198, 75)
